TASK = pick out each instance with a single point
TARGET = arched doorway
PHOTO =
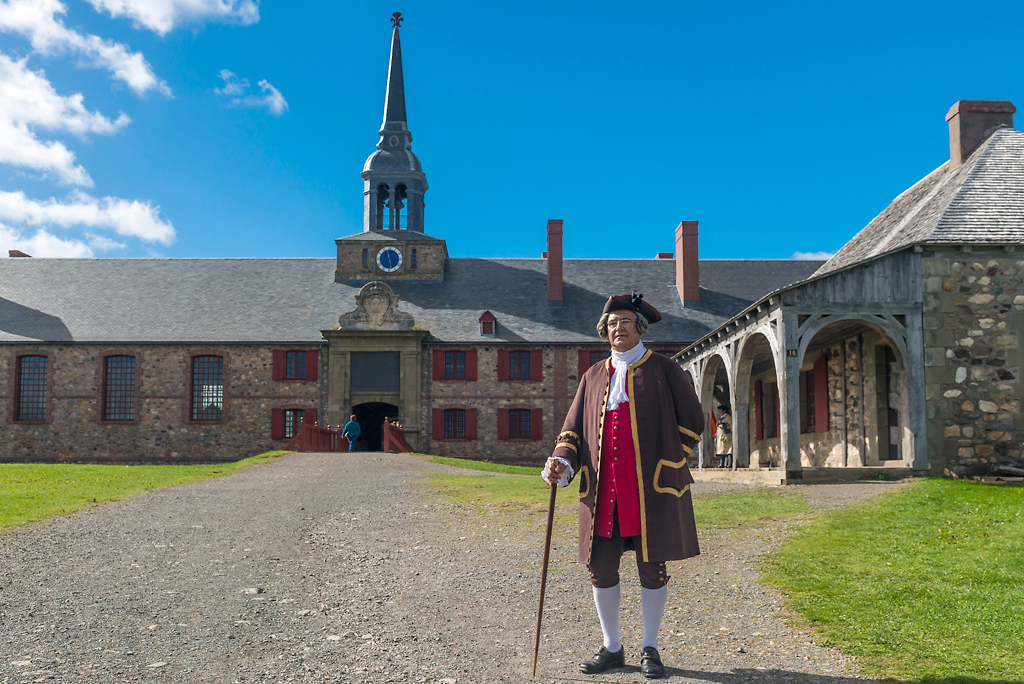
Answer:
(756, 370)
(853, 394)
(370, 417)
(714, 392)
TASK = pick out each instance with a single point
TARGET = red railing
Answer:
(312, 437)
(394, 439)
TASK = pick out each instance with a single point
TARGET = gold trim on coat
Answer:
(569, 445)
(688, 433)
(585, 476)
(668, 490)
(570, 432)
(636, 449)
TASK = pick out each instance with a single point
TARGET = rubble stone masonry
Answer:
(162, 430)
(973, 320)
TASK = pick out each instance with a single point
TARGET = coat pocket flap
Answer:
(672, 478)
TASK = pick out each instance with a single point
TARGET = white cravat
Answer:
(621, 361)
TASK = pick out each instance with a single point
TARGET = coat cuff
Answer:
(567, 475)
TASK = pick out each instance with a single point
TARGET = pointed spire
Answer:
(394, 101)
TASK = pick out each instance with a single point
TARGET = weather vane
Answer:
(396, 19)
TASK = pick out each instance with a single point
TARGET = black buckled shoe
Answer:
(604, 660)
(650, 663)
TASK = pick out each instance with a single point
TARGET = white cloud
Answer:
(43, 244)
(162, 16)
(128, 218)
(812, 256)
(236, 90)
(37, 20)
(28, 103)
(103, 244)
(233, 86)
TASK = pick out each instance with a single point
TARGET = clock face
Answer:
(389, 259)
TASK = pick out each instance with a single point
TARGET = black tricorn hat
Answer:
(632, 302)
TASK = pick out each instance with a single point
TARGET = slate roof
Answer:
(292, 300)
(981, 201)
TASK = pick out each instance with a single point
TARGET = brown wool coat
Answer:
(667, 421)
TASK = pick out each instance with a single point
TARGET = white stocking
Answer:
(607, 602)
(652, 601)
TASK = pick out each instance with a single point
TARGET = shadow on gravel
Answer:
(748, 675)
(787, 676)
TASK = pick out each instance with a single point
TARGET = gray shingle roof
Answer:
(292, 300)
(981, 201)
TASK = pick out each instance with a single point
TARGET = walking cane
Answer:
(544, 573)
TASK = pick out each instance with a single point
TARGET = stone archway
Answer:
(756, 356)
(886, 423)
(715, 389)
(370, 417)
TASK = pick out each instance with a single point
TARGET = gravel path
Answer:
(336, 568)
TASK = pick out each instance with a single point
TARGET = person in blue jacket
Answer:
(351, 432)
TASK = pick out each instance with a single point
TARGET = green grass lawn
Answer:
(30, 492)
(925, 584)
(728, 509)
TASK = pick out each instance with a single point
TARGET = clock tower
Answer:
(393, 244)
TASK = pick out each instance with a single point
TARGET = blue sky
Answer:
(230, 128)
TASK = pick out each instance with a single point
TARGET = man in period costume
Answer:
(633, 421)
(723, 437)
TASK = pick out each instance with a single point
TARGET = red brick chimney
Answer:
(17, 253)
(971, 122)
(687, 265)
(554, 257)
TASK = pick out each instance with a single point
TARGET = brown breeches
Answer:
(606, 553)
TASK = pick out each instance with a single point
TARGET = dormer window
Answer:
(488, 323)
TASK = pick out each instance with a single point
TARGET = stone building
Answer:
(904, 349)
(165, 360)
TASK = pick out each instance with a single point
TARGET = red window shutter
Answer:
(277, 371)
(309, 416)
(503, 423)
(758, 410)
(584, 362)
(438, 364)
(437, 422)
(821, 395)
(471, 364)
(503, 366)
(777, 427)
(536, 424)
(276, 422)
(311, 364)
(536, 364)
(470, 423)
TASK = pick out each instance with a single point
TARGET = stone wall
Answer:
(973, 320)
(162, 430)
(430, 258)
(487, 394)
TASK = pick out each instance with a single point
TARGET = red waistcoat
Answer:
(618, 486)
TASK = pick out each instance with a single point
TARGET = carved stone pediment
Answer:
(376, 309)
